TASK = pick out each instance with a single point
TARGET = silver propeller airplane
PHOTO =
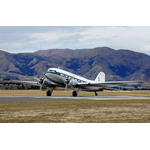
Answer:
(56, 78)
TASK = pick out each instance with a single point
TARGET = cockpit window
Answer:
(52, 70)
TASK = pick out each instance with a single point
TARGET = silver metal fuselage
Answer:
(58, 76)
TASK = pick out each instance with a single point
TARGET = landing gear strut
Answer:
(74, 93)
(96, 93)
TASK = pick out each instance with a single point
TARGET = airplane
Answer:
(56, 78)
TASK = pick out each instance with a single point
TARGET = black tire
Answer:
(49, 93)
(74, 93)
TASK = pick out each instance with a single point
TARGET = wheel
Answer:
(49, 93)
(74, 93)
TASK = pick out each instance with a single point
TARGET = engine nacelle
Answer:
(46, 82)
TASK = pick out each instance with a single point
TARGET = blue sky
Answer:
(17, 39)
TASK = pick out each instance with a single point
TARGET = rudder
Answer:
(100, 77)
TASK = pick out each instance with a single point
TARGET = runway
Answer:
(9, 99)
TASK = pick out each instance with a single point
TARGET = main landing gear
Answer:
(49, 92)
(74, 93)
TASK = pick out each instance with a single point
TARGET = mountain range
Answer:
(117, 64)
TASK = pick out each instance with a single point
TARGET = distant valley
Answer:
(117, 64)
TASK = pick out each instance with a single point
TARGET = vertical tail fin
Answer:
(100, 77)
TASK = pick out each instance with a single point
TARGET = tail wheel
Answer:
(49, 93)
(74, 93)
(96, 93)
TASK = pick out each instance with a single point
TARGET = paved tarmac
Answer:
(64, 98)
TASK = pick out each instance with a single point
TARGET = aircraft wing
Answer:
(27, 82)
(37, 83)
(109, 84)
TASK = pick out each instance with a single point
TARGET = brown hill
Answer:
(117, 64)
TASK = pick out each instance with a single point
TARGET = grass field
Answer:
(69, 92)
(115, 111)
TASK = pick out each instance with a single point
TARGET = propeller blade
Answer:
(40, 81)
(41, 88)
(67, 82)
(66, 87)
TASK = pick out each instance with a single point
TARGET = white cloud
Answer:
(27, 39)
(147, 48)
(134, 38)
(48, 36)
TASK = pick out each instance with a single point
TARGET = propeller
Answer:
(70, 81)
(66, 83)
(39, 81)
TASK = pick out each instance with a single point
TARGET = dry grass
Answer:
(69, 92)
(91, 111)
(77, 111)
